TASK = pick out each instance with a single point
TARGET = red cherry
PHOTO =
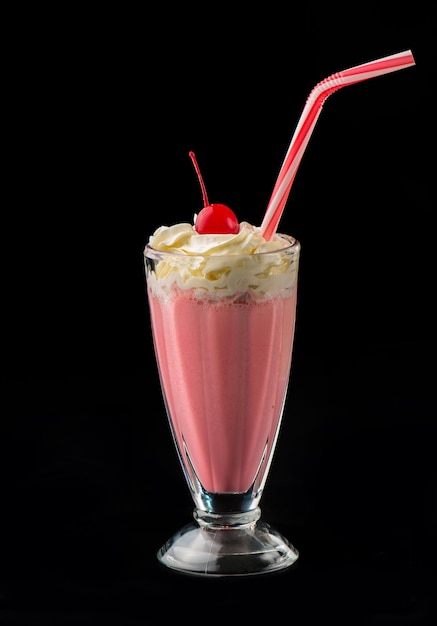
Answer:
(213, 219)
(217, 219)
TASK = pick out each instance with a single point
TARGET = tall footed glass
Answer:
(223, 329)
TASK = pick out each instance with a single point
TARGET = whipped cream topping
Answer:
(183, 238)
(221, 265)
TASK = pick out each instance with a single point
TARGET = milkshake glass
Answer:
(223, 326)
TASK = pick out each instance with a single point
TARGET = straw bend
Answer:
(356, 74)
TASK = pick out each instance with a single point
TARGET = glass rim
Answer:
(292, 244)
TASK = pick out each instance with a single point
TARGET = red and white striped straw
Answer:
(308, 121)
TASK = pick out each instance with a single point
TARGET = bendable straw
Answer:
(307, 122)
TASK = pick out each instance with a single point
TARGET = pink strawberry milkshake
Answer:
(223, 311)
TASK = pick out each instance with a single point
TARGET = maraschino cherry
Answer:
(213, 219)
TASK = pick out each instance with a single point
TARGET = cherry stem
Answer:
(199, 175)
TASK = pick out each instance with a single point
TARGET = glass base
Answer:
(235, 544)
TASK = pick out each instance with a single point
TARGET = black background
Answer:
(102, 109)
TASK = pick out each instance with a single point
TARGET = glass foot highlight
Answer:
(238, 544)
